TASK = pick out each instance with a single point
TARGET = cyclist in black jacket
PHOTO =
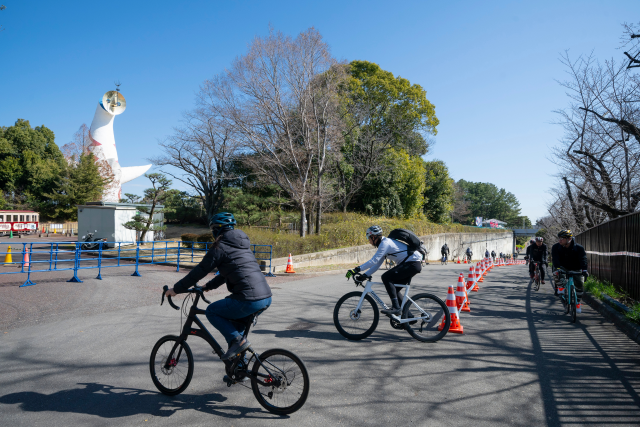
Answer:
(537, 253)
(250, 293)
(571, 257)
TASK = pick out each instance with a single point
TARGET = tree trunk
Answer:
(319, 207)
(303, 220)
(149, 222)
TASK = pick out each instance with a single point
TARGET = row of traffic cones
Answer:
(458, 299)
(8, 258)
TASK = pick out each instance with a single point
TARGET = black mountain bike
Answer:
(279, 379)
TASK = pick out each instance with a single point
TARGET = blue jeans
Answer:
(219, 313)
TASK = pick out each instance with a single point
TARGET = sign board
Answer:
(6, 227)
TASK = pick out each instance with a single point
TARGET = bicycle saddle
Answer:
(248, 320)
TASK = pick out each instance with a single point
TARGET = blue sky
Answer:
(490, 67)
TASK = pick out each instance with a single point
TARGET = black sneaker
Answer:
(236, 348)
(391, 311)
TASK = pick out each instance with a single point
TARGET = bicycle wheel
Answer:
(426, 328)
(284, 388)
(352, 325)
(537, 282)
(171, 376)
(574, 298)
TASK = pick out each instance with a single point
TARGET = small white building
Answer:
(105, 220)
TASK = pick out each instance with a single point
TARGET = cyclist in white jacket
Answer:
(408, 264)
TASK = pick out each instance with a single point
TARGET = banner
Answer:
(479, 221)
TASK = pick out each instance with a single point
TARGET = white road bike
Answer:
(356, 314)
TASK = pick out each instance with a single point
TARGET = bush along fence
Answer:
(458, 296)
(613, 251)
(36, 257)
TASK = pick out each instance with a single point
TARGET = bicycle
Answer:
(444, 260)
(275, 376)
(468, 257)
(569, 298)
(536, 277)
(356, 314)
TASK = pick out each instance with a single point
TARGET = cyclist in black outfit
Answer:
(537, 253)
(571, 257)
(250, 293)
(493, 255)
(444, 250)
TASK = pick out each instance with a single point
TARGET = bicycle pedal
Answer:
(228, 380)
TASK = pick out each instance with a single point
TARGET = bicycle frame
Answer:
(369, 291)
(202, 332)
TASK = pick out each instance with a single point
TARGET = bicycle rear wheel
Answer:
(574, 298)
(352, 324)
(430, 312)
(537, 283)
(171, 373)
(284, 388)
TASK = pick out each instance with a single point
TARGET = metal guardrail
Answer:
(36, 257)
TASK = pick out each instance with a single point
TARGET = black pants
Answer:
(400, 275)
(532, 268)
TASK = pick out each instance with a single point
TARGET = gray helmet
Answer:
(374, 230)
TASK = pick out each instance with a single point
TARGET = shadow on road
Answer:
(108, 401)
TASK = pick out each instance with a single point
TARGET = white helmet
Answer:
(374, 230)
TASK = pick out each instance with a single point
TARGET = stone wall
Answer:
(356, 255)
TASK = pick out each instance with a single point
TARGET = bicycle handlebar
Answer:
(194, 290)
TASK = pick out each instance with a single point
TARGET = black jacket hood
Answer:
(236, 239)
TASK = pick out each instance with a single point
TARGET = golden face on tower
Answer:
(114, 102)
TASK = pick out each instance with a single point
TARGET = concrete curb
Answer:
(629, 328)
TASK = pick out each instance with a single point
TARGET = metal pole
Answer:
(135, 273)
(99, 261)
(28, 282)
(178, 261)
(76, 265)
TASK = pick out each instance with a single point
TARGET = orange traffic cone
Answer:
(289, 265)
(478, 279)
(461, 295)
(472, 277)
(465, 260)
(458, 260)
(25, 260)
(455, 326)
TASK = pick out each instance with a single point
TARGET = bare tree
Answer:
(201, 150)
(78, 145)
(279, 99)
(600, 178)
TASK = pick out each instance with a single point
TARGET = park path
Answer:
(520, 362)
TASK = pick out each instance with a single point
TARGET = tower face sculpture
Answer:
(103, 144)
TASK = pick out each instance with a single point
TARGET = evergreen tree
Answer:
(78, 184)
(144, 220)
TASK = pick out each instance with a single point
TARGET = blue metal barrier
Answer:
(37, 257)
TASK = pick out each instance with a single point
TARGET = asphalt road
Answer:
(77, 354)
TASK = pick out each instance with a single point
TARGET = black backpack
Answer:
(411, 240)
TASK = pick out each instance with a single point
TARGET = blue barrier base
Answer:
(135, 273)
(99, 277)
(27, 283)
(75, 279)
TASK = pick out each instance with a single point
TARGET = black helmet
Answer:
(221, 221)
(566, 234)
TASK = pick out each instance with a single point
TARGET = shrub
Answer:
(187, 238)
